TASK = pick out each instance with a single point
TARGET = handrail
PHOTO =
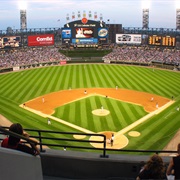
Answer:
(7, 132)
(40, 142)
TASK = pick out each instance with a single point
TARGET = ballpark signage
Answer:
(128, 38)
(84, 31)
(41, 40)
(10, 41)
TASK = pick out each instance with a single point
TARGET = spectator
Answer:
(144, 55)
(29, 56)
(174, 165)
(153, 169)
(15, 143)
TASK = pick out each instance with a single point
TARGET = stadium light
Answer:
(22, 5)
(177, 4)
(145, 4)
(145, 18)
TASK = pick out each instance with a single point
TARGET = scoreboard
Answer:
(162, 40)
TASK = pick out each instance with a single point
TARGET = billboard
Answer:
(10, 41)
(128, 38)
(41, 40)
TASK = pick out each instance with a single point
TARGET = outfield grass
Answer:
(19, 87)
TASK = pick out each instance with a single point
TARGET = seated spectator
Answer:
(153, 169)
(15, 143)
(174, 165)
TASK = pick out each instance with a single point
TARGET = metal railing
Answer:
(44, 135)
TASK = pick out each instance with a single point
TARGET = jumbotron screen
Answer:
(84, 32)
(10, 41)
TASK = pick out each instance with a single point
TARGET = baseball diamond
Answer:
(128, 111)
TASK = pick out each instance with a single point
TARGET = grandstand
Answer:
(132, 63)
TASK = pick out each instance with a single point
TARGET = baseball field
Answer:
(138, 105)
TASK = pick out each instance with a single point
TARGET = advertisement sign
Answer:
(102, 32)
(79, 41)
(62, 62)
(128, 38)
(41, 40)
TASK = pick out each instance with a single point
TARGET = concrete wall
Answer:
(17, 165)
(70, 164)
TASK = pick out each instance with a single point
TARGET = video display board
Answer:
(66, 33)
(84, 32)
(41, 40)
(162, 40)
(128, 38)
(10, 41)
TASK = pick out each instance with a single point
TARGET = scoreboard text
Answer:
(162, 40)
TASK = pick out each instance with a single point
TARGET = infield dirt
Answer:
(47, 103)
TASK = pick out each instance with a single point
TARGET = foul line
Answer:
(123, 131)
(58, 120)
(143, 119)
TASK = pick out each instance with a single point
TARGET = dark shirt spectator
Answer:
(15, 143)
(153, 169)
(174, 165)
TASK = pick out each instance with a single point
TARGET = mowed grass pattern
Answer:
(19, 87)
(80, 113)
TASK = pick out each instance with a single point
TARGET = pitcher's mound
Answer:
(100, 112)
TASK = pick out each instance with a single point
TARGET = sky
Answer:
(53, 13)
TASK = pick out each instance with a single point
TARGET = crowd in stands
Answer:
(28, 56)
(144, 55)
(25, 56)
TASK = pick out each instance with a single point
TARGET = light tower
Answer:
(23, 17)
(178, 15)
(145, 15)
(178, 19)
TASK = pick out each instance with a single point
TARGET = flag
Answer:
(73, 15)
(79, 14)
(90, 15)
(67, 17)
(95, 15)
(101, 18)
(84, 14)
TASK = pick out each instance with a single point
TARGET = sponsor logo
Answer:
(103, 32)
(44, 39)
(84, 20)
